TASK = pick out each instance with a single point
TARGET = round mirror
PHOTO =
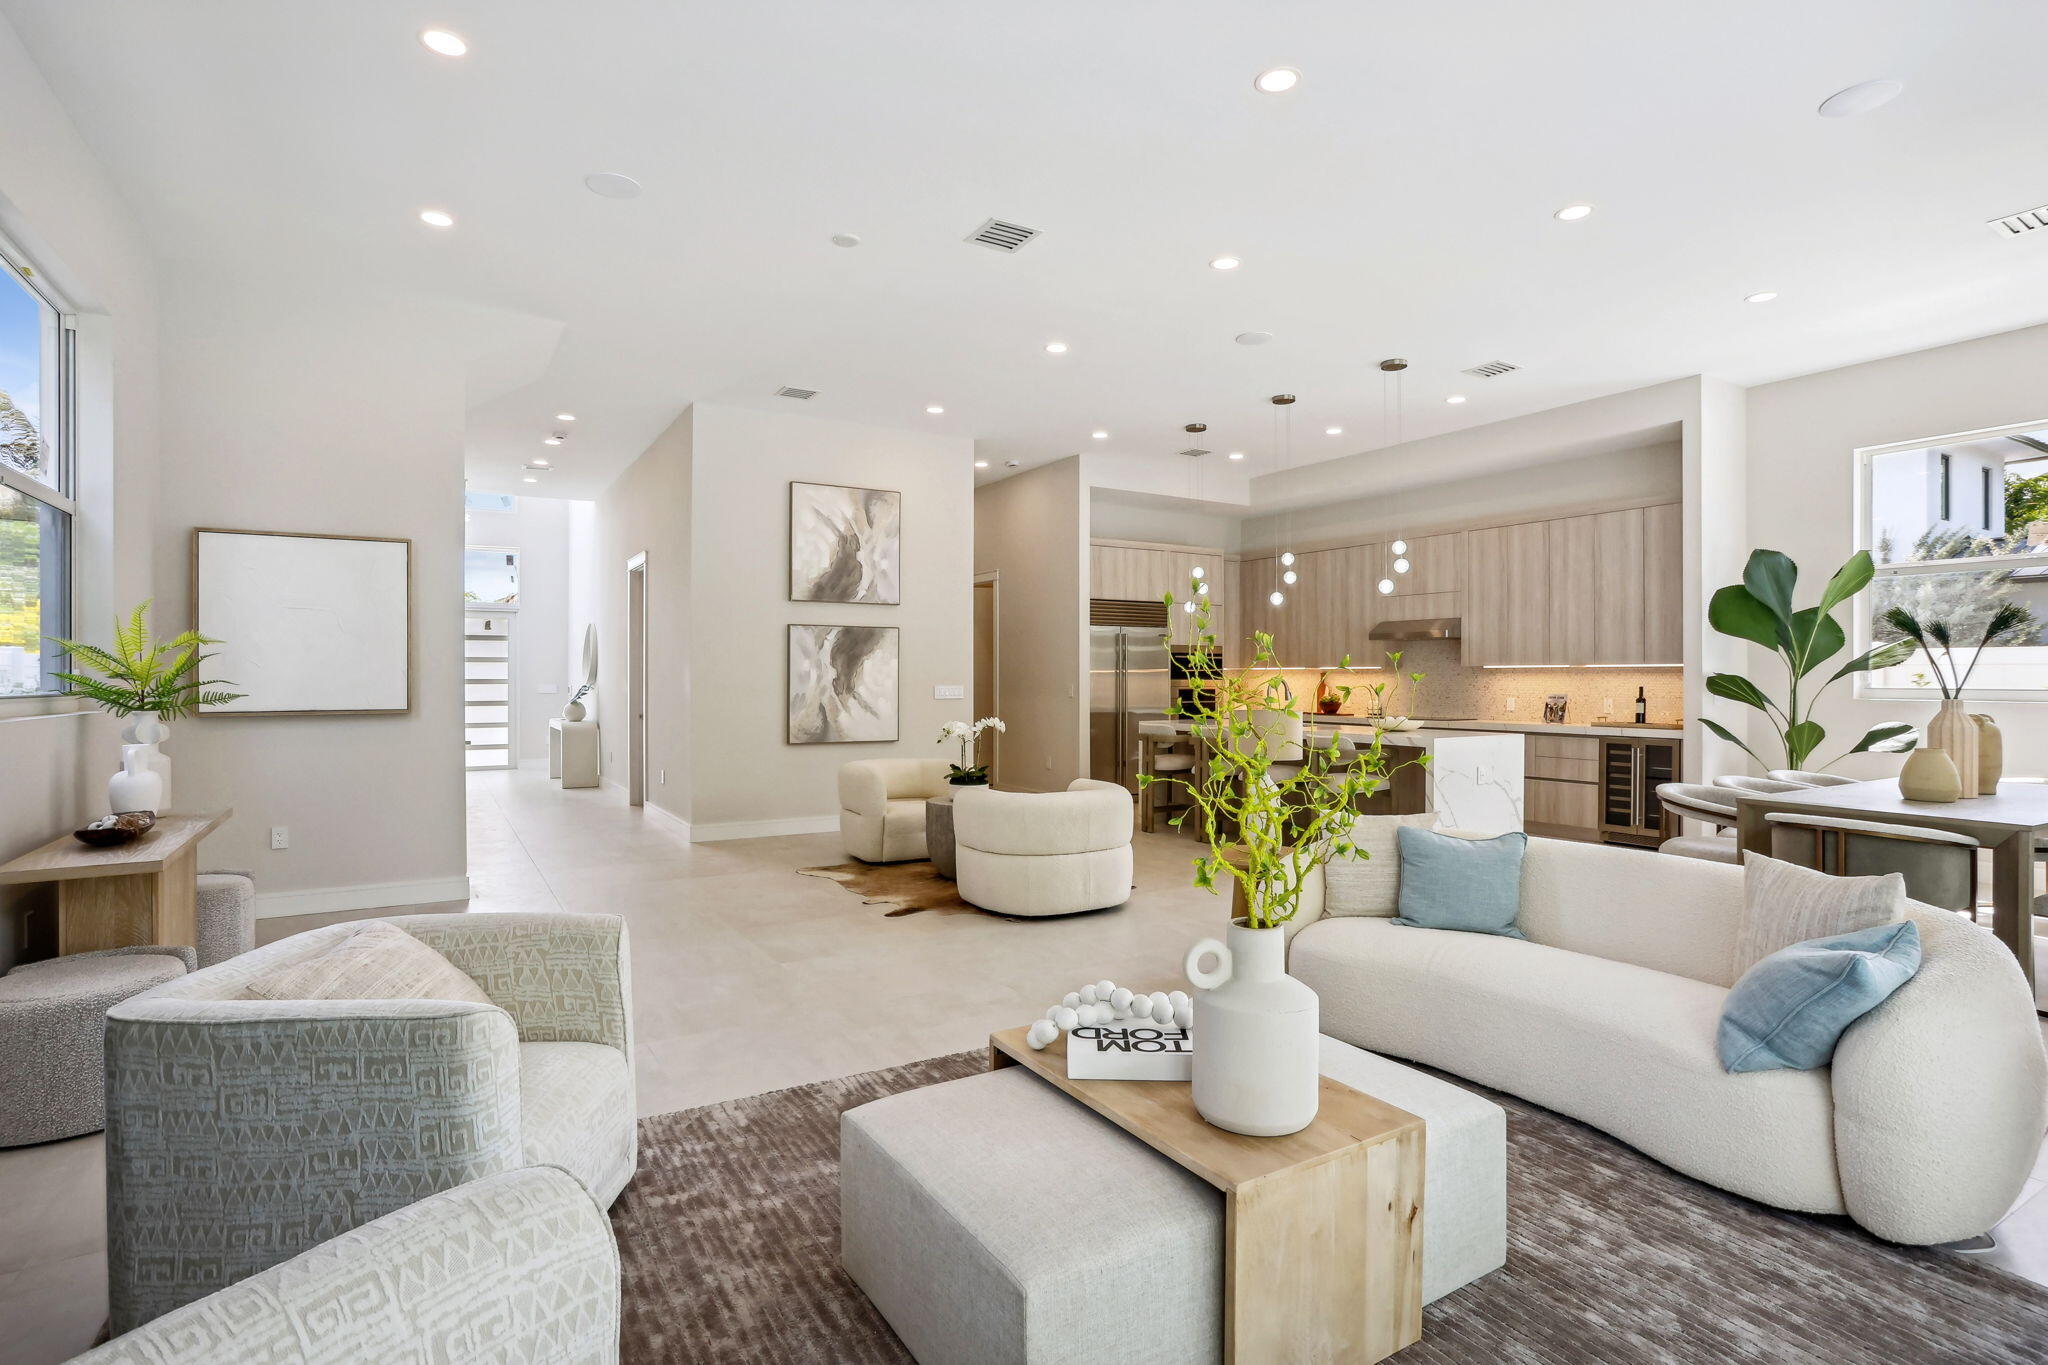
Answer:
(590, 654)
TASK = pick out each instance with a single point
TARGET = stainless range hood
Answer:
(1422, 628)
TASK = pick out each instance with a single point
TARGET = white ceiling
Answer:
(1398, 203)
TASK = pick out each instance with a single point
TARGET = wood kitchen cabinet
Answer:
(1507, 595)
(1664, 572)
(1133, 573)
(1597, 588)
(1561, 786)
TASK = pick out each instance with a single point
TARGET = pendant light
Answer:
(1393, 395)
(1195, 454)
(1283, 422)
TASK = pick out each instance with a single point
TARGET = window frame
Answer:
(59, 491)
(1860, 634)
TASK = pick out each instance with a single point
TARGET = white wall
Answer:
(1802, 437)
(547, 644)
(1115, 515)
(1032, 531)
(58, 204)
(746, 778)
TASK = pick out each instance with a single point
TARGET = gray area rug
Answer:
(729, 1239)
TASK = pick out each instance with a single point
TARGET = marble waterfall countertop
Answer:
(1473, 780)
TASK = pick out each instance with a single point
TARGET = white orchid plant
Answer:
(968, 773)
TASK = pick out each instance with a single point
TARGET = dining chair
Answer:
(1939, 866)
(1806, 779)
(1761, 786)
(1709, 805)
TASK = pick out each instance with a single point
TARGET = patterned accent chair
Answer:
(241, 1132)
(517, 1269)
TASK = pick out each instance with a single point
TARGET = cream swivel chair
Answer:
(1710, 806)
(1044, 853)
(881, 806)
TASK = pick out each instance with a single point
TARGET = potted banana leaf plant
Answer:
(1759, 609)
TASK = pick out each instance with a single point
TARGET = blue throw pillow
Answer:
(1474, 885)
(1789, 1010)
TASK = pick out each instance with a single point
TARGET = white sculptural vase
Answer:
(145, 729)
(137, 787)
(1255, 1027)
(1954, 732)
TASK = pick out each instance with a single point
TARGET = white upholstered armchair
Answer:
(881, 806)
(1044, 853)
(241, 1132)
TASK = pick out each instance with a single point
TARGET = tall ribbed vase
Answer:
(1954, 733)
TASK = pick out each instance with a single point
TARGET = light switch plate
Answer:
(948, 692)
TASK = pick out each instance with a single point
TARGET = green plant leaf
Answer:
(1801, 740)
(1881, 656)
(1854, 575)
(1725, 733)
(1735, 610)
(1771, 577)
(1893, 737)
(1735, 687)
(1815, 640)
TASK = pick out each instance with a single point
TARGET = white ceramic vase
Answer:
(1255, 1067)
(137, 787)
(573, 711)
(145, 729)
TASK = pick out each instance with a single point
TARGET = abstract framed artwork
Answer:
(844, 544)
(842, 684)
(309, 624)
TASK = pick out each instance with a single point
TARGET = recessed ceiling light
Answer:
(1055, 348)
(845, 239)
(551, 440)
(565, 417)
(1100, 435)
(531, 479)
(540, 464)
(1253, 338)
(442, 41)
(436, 218)
(612, 185)
(1333, 431)
(1860, 99)
(1277, 80)
(981, 464)
(1765, 297)
(1455, 398)
(1237, 454)
(935, 409)
(1224, 263)
(1571, 213)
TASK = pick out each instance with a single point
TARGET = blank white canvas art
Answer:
(306, 623)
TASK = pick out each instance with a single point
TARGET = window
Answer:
(35, 480)
(1958, 572)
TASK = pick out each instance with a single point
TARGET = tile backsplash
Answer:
(1450, 689)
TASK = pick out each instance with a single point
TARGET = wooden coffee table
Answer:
(1322, 1229)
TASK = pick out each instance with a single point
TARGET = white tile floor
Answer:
(747, 978)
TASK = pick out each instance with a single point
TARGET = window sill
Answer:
(42, 706)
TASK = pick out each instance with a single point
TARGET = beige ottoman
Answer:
(992, 1219)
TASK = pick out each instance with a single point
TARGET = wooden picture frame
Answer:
(339, 639)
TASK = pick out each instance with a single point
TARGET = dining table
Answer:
(2007, 822)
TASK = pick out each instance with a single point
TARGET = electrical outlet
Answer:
(661, 776)
(280, 837)
(1511, 703)
(948, 692)
(1607, 706)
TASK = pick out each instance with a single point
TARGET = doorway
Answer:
(987, 663)
(636, 680)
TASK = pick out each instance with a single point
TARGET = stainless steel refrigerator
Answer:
(1129, 682)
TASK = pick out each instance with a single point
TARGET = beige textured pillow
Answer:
(1370, 885)
(380, 961)
(1784, 903)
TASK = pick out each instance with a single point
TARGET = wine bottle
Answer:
(1642, 707)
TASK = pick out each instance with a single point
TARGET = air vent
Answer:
(2019, 224)
(547, 468)
(998, 235)
(790, 391)
(1196, 452)
(1492, 369)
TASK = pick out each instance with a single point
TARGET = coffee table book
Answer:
(1129, 1052)
(1322, 1229)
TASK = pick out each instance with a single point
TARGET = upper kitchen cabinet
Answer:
(1435, 565)
(1507, 595)
(1139, 573)
(1664, 565)
(1598, 589)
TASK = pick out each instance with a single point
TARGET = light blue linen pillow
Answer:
(1789, 1010)
(1473, 885)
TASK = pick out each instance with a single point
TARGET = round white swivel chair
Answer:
(1044, 853)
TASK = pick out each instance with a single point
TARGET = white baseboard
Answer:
(370, 896)
(669, 819)
(764, 829)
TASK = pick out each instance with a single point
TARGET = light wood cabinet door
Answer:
(1185, 589)
(1664, 581)
(1435, 565)
(1255, 614)
(1597, 593)
(1507, 595)
(1571, 809)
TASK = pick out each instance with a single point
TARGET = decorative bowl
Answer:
(1396, 723)
(114, 830)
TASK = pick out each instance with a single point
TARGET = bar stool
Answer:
(1709, 805)
(1806, 779)
(1163, 757)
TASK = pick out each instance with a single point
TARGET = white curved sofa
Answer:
(1923, 1130)
(1044, 853)
(881, 806)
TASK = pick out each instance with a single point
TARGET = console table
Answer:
(141, 892)
(572, 752)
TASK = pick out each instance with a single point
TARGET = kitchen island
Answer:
(1472, 781)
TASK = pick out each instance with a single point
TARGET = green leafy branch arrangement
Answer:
(143, 674)
(1759, 609)
(1266, 827)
